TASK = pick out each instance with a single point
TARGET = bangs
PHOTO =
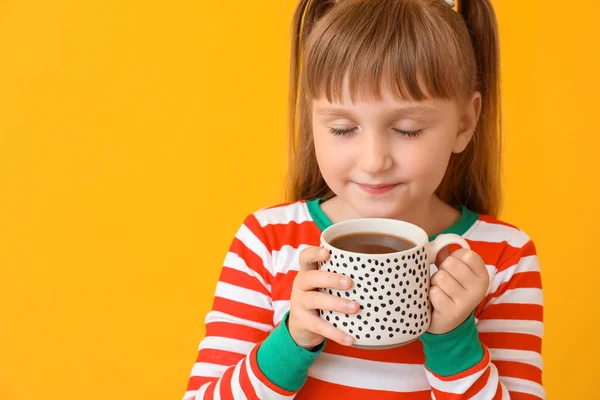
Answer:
(416, 49)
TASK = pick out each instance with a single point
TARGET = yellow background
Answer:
(136, 135)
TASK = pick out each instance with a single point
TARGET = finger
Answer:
(459, 271)
(310, 256)
(442, 255)
(473, 261)
(324, 301)
(445, 281)
(323, 328)
(311, 280)
(439, 299)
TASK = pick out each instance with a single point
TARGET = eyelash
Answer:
(342, 132)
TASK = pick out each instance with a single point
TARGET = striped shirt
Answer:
(253, 295)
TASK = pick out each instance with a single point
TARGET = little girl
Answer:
(394, 113)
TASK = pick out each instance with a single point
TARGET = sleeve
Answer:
(239, 325)
(496, 353)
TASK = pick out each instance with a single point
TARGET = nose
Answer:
(374, 154)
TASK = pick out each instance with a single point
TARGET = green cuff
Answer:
(453, 352)
(284, 362)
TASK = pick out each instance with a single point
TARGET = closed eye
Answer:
(342, 132)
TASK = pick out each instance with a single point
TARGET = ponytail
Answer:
(473, 177)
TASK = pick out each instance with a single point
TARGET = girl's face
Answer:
(384, 158)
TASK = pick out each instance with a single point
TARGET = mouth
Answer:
(377, 189)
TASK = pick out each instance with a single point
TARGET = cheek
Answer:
(427, 160)
(333, 156)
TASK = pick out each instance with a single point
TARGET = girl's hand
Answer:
(456, 289)
(304, 324)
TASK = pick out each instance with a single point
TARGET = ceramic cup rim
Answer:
(420, 241)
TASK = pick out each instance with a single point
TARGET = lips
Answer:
(376, 189)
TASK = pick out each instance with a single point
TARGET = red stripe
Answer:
(411, 353)
(244, 311)
(282, 285)
(196, 382)
(241, 279)
(498, 395)
(512, 341)
(235, 331)
(292, 234)
(262, 378)
(220, 357)
(246, 384)
(253, 260)
(225, 386)
(524, 312)
(254, 226)
(210, 392)
(513, 256)
(317, 389)
(479, 384)
(513, 369)
(472, 391)
(521, 280)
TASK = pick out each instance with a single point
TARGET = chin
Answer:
(379, 208)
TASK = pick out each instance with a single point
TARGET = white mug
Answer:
(392, 289)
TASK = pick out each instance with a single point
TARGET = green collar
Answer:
(460, 227)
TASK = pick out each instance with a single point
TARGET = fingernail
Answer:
(348, 339)
(351, 306)
(345, 282)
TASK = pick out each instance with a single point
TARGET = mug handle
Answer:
(441, 241)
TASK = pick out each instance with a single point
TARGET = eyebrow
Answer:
(414, 110)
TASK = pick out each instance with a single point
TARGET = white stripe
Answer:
(535, 328)
(262, 391)
(496, 233)
(280, 307)
(236, 388)
(253, 243)
(234, 261)
(218, 316)
(366, 374)
(525, 264)
(226, 344)
(520, 296)
(505, 394)
(202, 391)
(208, 370)
(296, 212)
(217, 391)
(190, 395)
(287, 258)
(491, 386)
(457, 386)
(522, 356)
(243, 295)
(524, 386)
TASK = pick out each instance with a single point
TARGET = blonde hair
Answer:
(399, 43)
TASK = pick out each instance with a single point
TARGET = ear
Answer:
(468, 122)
